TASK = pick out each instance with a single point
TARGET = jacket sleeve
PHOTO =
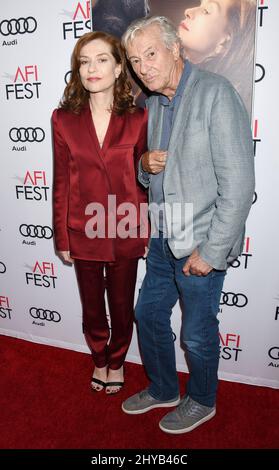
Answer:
(143, 176)
(140, 149)
(141, 145)
(61, 185)
(233, 162)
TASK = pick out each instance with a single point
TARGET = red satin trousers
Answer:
(107, 338)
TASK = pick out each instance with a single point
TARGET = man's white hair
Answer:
(168, 30)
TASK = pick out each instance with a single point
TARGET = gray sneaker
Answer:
(142, 402)
(188, 415)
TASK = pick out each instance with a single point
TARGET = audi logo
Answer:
(44, 314)
(3, 268)
(233, 300)
(67, 77)
(274, 353)
(36, 231)
(27, 134)
(18, 26)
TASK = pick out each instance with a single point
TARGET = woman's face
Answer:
(98, 68)
(204, 29)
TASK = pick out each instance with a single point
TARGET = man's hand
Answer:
(196, 265)
(154, 161)
(65, 255)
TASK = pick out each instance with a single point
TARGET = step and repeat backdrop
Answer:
(39, 299)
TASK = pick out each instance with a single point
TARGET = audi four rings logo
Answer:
(27, 134)
(3, 268)
(36, 231)
(233, 300)
(18, 26)
(44, 314)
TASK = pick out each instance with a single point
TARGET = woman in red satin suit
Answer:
(99, 137)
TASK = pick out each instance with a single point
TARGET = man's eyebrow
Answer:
(144, 52)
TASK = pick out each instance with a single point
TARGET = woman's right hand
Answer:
(65, 255)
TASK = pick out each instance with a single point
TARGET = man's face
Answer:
(151, 60)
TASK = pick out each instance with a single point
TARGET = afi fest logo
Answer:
(262, 10)
(15, 27)
(229, 346)
(256, 138)
(5, 308)
(80, 21)
(42, 275)
(245, 257)
(34, 187)
(21, 135)
(25, 84)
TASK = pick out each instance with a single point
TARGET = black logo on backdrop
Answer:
(5, 309)
(5, 313)
(233, 300)
(37, 188)
(274, 353)
(229, 346)
(243, 257)
(260, 73)
(3, 268)
(42, 275)
(27, 134)
(261, 9)
(36, 231)
(22, 87)
(44, 314)
(67, 77)
(18, 26)
(80, 23)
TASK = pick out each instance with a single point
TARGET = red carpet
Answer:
(46, 403)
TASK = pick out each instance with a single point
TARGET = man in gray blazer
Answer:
(200, 174)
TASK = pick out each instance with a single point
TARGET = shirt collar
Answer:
(164, 100)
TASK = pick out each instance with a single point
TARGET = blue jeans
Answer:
(163, 285)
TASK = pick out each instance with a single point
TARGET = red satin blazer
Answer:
(85, 173)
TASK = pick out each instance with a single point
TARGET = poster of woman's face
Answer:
(216, 35)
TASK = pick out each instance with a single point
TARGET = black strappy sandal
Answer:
(98, 382)
(114, 384)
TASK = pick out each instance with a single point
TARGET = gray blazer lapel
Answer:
(183, 111)
(155, 123)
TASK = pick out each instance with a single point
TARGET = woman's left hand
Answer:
(146, 250)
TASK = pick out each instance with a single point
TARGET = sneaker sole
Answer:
(190, 428)
(151, 407)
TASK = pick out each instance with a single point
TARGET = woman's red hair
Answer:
(76, 96)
